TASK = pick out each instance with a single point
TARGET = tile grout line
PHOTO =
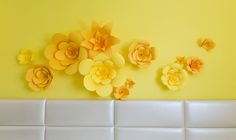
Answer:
(184, 115)
(114, 118)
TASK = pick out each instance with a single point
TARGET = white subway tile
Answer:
(79, 133)
(211, 114)
(22, 112)
(79, 113)
(211, 134)
(21, 133)
(149, 113)
(149, 134)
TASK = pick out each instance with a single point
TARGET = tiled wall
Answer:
(117, 120)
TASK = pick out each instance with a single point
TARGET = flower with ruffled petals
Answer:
(173, 76)
(194, 64)
(121, 93)
(65, 53)
(39, 77)
(101, 74)
(206, 43)
(141, 54)
(99, 40)
(25, 56)
(181, 60)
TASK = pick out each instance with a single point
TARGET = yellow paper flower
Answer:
(25, 56)
(181, 60)
(129, 83)
(194, 64)
(39, 77)
(141, 54)
(99, 39)
(65, 53)
(121, 93)
(102, 73)
(206, 43)
(173, 76)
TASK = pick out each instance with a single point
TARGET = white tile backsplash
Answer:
(79, 133)
(79, 113)
(117, 120)
(22, 112)
(21, 133)
(211, 114)
(149, 134)
(211, 134)
(149, 113)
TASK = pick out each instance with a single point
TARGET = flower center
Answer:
(72, 52)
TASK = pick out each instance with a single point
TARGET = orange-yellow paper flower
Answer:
(65, 53)
(181, 60)
(39, 77)
(206, 43)
(25, 56)
(141, 54)
(102, 73)
(194, 64)
(173, 76)
(99, 40)
(121, 93)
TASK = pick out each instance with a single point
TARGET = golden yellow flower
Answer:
(194, 65)
(99, 39)
(129, 83)
(121, 93)
(173, 76)
(25, 56)
(141, 54)
(102, 73)
(206, 43)
(39, 77)
(65, 53)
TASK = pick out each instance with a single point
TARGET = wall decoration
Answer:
(206, 43)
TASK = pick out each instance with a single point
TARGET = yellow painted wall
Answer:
(173, 26)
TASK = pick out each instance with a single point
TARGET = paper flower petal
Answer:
(56, 65)
(72, 69)
(104, 90)
(119, 80)
(57, 38)
(85, 66)
(118, 59)
(49, 51)
(89, 84)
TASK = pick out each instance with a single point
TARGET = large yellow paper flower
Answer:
(39, 77)
(102, 74)
(173, 76)
(65, 53)
(99, 39)
(141, 54)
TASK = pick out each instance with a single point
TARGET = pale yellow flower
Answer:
(121, 93)
(194, 64)
(102, 73)
(173, 76)
(65, 53)
(39, 77)
(99, 40)
(206, 43)
(25, 56)
(141, 54)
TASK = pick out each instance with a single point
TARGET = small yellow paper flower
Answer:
(206, 43)
(99, 40)
(129, 83)
(102, 74)
(121, 93)
(141, 54)
(173, 76)
(64, 52)
(39, 77)
(25, 56)
(194, 64)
